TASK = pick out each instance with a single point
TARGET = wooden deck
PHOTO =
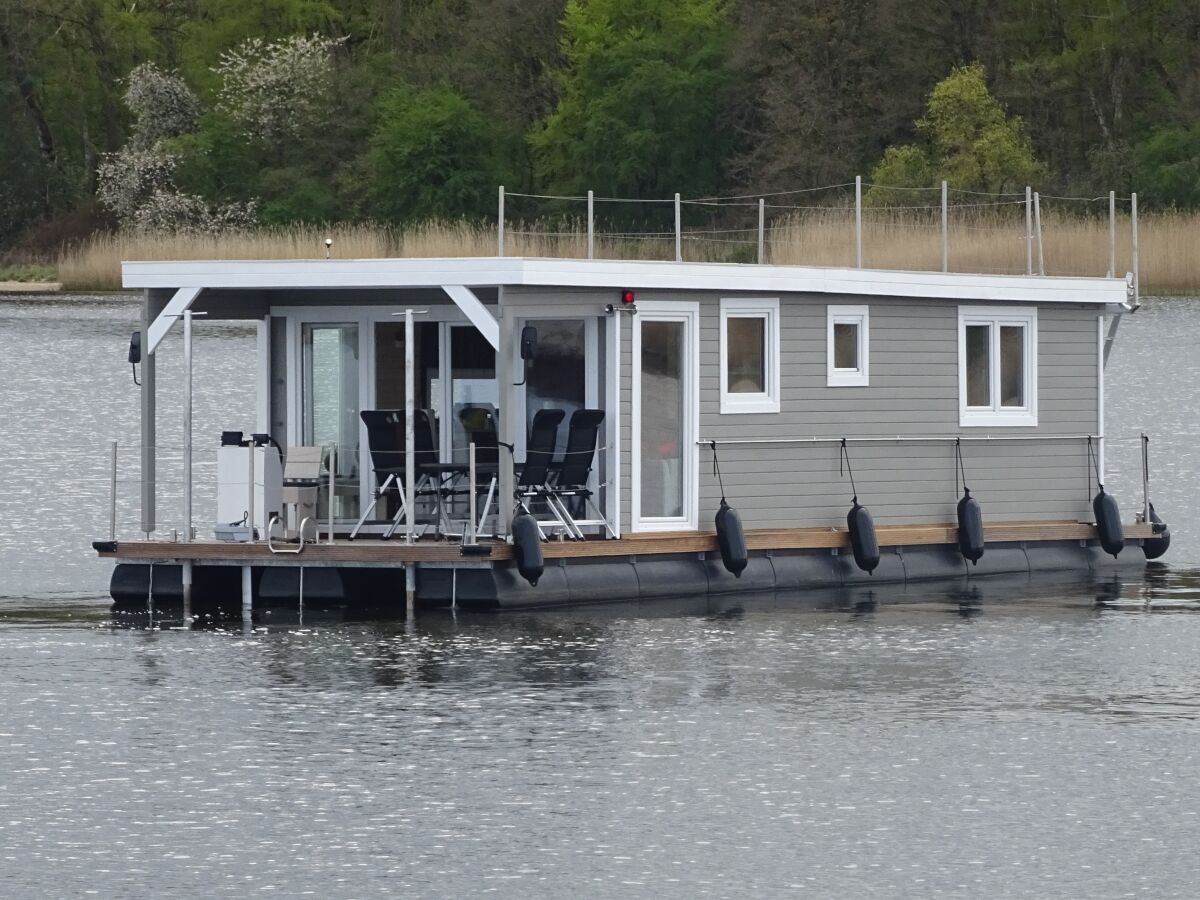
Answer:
(373, 552)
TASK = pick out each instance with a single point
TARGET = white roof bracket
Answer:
(472, 307)
(184, 298)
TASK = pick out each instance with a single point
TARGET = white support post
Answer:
(1037, 218)
(500, 223)
(678, 230)
(410, 457)
(1133, 233)
(1112, 234)
(762, 231)
(187, 429)
(858, 256)
(185, 577)
(247, 594)
(945, 232)
(591, 226)
(332, 489)
(1028, 230)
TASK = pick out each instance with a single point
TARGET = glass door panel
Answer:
(472, 382)
(662, 419)
(557, 378)
(329, 353)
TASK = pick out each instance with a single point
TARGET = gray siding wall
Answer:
(913, 393)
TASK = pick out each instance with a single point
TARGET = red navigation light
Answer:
(628, 296)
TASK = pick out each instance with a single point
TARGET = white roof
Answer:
(638, 274)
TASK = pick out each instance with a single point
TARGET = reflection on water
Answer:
(994, 738)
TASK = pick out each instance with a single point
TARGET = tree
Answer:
(971, 143)
(432, 155)
(641, 99)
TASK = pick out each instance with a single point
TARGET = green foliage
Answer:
(973, 144)
(1168, 167)
(432, 155)
(640, 99)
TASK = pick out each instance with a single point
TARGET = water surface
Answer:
(1007, 739)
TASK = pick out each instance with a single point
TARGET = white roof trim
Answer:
(529, 271)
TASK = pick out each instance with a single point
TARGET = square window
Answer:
(997, 366)
(848, 342)
(749, 355)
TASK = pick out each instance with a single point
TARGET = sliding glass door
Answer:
(330, 398)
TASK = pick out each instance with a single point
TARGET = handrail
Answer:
(927, 439)
(307, 520)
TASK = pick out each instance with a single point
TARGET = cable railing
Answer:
(830, 225)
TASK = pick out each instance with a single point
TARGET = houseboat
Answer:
(514, 432)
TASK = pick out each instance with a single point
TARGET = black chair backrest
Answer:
(539, 449)
(581, 447)
(480, 426)
(385, 440)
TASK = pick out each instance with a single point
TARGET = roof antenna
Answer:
(328, 247)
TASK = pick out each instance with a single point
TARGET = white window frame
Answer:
(767, 309)
(860, 316)
(689, 314)
(996, 415)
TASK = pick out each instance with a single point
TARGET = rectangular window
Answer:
(997, 351)
(749, 355)
(847, 346)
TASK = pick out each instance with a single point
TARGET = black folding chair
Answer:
(533, 476)
(568, 493)
(385, 441)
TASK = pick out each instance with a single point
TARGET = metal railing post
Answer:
(1112, 234)
(945, 233)
(1133, 230)
(187, 426)
(112, 496)
(591, 226)
(1145, 478)
(469, 537)
(332, 488)
(678, 231)
(1037, 218)
(858, 256)
(250, 494)
(410, 457)
(500, 223)
(1028, 230)
(762, 231)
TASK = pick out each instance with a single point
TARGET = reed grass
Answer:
(991, 241)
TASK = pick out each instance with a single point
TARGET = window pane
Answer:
(662, 419)
(979, 351)
(746, 354)
(557, 377)
(845, 345)
(1012, 365)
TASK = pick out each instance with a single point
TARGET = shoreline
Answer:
(31, 287)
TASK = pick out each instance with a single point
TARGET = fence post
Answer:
(500, 220)
(945, 233)
(1028, 230)
(1037, 218)
(1112, 234)
(1133, 227)
(591, 228)
(678, 231)
(858, 259)
(762, 240)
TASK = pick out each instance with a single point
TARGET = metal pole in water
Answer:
(187, 427)
(410, 589)
(945, 233)
(500, 226)
(112, 497)
(410, 458)
(1133, 226)
(1028, 230)
(678, 231)
(591, 231)
(186, 577)
(1037, 218)
(1112, 234)
(247, 594)
(762, 231)
(858, 259)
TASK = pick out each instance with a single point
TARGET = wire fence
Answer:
(852, 224)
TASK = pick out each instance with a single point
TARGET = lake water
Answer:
(1018, 740)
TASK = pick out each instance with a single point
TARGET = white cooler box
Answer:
(233, 496)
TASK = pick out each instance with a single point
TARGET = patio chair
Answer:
(533, 475)
(568, 492)
(385, 441)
